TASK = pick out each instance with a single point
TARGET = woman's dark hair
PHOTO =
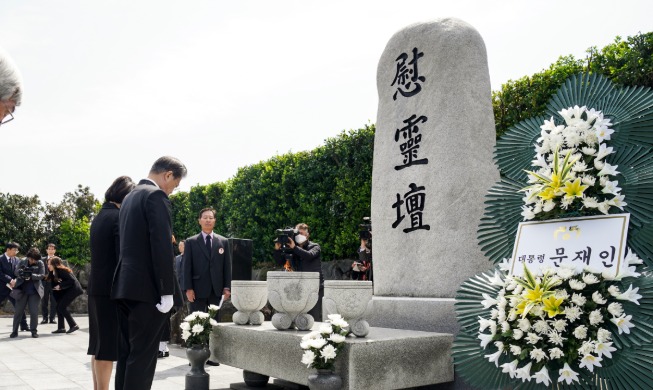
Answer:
(58, 264)
(34, 254)
(119, 189)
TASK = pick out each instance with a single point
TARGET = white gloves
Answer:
(166, 304)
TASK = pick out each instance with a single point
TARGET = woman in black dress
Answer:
(65, 288)
(104, 332)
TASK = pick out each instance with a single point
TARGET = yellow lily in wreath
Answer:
(536, 292)
(552, 305)
(551, 187)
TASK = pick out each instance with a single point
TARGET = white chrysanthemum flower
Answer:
(603, 335)
(494, 358)
(524, 324)
(505, 326)
(512, 316)
(337, 320)
(527, 213)
(598, 298)
(517, 334)
(623, 323)
(337, 338)
(499, 345)
(559, 325)
(515, 350)
(588, 151)
(326, 329)
(596, 317)
(562, 294)
(598, 164)
(604, 349)
(578, 299)
(579, 166)
(576, 284)
(197, 329)
(185, 335)
(556, 353)
(308, 358)
(590, 202)
(184, 326)
(510, 368)
(589, 362)
(328, 353)
(548, 205)
(537, 311)
(540, 326)
(213, 308)
(590, 278)
(565, 272)
(604, 207)
(537, 354)
(556, 338)
(316, 343)
(588, 180)
(191, 316)
(502, 315)
(312, 335)
(203, 315)
(572, 313)
(586, 347)
(524, 373)
(616, 309)
(532, 338)
(614, 290)
(213, 322)
(580, 332)
(566, 374)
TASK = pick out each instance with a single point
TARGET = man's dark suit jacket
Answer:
(145, 271)
(6, 273)
(203, 270)
(105, 248)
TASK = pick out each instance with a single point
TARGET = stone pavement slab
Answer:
(59, 361)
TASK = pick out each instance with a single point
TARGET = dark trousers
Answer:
(31, 300)
(64, 299)
(202, 304)
(141, 325)
(4, 294)
(48, 300)
(316, 311)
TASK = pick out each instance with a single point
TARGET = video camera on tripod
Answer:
(283, 238)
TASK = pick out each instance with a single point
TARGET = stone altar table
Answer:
(385, 359)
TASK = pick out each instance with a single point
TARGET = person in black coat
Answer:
(8, 263)
(143, 284)
(103, 329)
(28, 290)
(65, 288)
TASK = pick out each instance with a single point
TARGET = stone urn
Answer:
(324, 380)
(352, 299)
(248, 297)
(197, 378)
(292, 295)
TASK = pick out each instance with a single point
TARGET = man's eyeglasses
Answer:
(8, 117)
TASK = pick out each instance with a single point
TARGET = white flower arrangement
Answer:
(572, 173)
(196, 327)
(559, 321)
(321, 347)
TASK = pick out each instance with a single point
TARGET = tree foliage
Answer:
(74, 240)
(628, 62)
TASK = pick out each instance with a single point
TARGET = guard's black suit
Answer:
(207, 274)
(144, 273)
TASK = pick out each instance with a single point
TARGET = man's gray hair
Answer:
(167, 163)
(11, 82)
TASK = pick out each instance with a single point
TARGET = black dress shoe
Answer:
(74, 328)
(59, 331)
(45, 321)
(24, 329)
(211, 363)
(13, 334)
(35, 335)
(53, 321)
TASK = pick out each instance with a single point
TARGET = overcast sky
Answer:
(112, 85)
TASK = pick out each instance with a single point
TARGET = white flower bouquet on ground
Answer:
(196, 327)
(321, 347)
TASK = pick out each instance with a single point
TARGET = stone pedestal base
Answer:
(423, 314)
(385, 359)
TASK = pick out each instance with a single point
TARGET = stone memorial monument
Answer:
(432, 168)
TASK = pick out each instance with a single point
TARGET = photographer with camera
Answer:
(294, 251)
(362, 269)
(28, 290)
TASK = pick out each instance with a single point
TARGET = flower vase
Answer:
(324, 380)
(197, 378)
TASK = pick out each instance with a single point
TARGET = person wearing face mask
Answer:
(305, 258)
(11, 88)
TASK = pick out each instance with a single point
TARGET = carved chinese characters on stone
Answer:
(414, 204)
(407, 78)
(410, 138)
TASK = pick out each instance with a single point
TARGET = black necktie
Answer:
(208, 244)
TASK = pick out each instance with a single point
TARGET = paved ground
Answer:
(59, 361)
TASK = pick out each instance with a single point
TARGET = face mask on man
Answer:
(300, 239)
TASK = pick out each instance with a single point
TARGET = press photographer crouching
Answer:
(362, 269)
(28, 290)
(294, 251)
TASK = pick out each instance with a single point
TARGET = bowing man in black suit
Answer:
(143, 284)
(206, 265)
(8, 263)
